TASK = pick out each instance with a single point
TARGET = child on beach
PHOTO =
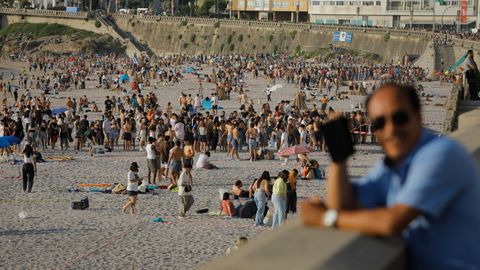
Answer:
(240, 242)
(132, 188)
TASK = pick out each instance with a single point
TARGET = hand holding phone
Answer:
(338, 139)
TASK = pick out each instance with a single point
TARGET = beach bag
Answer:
(269, 155)
(248, 210)
(81, 205)
(119, 189)
(187, 188)
(310, 175)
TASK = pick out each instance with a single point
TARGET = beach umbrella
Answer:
(57, 111)
(295, 150)
(7, 141)
(276, 87)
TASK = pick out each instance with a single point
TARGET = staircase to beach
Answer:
(125, 36)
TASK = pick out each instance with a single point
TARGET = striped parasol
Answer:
(295, 150)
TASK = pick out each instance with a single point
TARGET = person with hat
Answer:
(132, 187)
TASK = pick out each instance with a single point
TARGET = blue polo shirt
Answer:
(441, 180)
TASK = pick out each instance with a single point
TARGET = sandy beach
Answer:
(53, 236)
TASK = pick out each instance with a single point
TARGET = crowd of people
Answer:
(132, 118)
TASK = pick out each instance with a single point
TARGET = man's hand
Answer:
(312, 211)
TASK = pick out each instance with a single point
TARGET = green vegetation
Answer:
(254, 46)
(38, 30)
(222, 46)
(193, 37)
(270, 38)
(216, 24)
(240, 38)
(185, 45)
(386, 37)
(103, 45)
(229, 39)
(169, 37)
(209, 5)
(298, 50)
(133, 24)
(263, 47)
(180, 37)
(232, 47)
(275, 48)
(98, 24)
(293, 34)
(183, 23)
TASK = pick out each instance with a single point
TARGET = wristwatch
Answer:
(330, 218)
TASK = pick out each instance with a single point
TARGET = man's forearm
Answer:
(339, 190)
(380, 221)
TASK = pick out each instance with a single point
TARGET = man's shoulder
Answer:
(444, 147)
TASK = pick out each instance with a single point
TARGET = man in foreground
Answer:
(427, 189)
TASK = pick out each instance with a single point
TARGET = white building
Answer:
(393, 13)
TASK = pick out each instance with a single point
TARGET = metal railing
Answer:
(263, 24)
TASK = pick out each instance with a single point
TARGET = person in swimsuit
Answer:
(175, 161)
(188, 154)
(235, 142)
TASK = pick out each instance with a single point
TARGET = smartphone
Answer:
(338, 139)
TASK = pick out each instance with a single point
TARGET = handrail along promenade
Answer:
(263, 24)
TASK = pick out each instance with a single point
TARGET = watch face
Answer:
(330, 218)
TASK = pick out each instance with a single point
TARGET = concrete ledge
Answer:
(468, 133)
(294, 246)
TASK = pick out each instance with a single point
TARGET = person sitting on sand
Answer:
(227, 206)
(238, 191)
(203, 162)
(94, 107)
(240, 242)
(132, 188)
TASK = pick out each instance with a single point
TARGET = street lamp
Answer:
(190, 8)
(443, 13)
(298, 9)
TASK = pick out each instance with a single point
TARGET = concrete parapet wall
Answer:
(171, 35)
(451, 108)
(294, 246)
(257, 36)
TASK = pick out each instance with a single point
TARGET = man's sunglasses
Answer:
(398, 118)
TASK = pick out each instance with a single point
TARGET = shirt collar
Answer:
(401, 169)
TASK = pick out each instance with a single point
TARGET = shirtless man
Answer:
(182, 101)
(175, 161)
(229, 128)
(252, 134)
(235, 142)
(127, 135)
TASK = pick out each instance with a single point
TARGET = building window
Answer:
(315, 3)
(367, 3)
(354, 3)
(379, 3)
(340, 3)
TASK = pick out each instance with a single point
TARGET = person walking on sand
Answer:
(29, 168)
(132, 188)
(184, 191)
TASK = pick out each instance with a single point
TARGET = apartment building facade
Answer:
(427, 14)
(277, 10)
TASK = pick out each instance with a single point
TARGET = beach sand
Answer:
(53, 236)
